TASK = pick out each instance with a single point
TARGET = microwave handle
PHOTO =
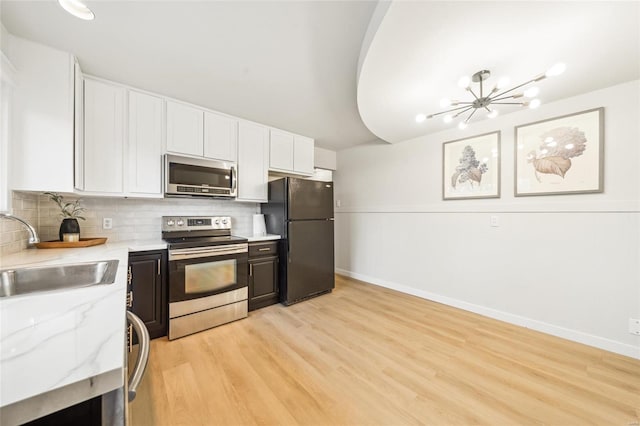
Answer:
(234, 180)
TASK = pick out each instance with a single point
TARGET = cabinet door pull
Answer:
(250, 270)
(158, 266)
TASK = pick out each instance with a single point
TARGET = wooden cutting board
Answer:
(84, 242)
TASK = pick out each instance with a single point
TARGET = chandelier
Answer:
(486, 101)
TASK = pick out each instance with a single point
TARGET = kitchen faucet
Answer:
(33, 239)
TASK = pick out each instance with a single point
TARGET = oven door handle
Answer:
(143, 354)
(193, 253)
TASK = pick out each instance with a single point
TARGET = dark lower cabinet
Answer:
(263, 274)
(87, 413)
(148, 272)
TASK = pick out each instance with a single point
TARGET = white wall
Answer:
(566, 265)
(4, 39)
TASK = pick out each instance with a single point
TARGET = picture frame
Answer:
(561, 155)
(471, 167)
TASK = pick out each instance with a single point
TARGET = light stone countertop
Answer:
(53, 339)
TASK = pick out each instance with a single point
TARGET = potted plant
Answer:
(70, 213)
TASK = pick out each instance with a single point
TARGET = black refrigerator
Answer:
(301, 211)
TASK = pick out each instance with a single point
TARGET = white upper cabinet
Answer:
(220, 137)
(8, 77)
(280, 150)
(184, 129)
(303, 155)
(78, 145)
(253, 162)
(103, 137)
(144, 151)
(42, 131)
(290, 153)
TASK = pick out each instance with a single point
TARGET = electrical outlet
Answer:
(495, 221)
(107, 223)
(634, 326)
(338, 203)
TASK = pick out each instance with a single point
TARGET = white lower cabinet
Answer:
(144, 146)
(103, 137)
(253, 162)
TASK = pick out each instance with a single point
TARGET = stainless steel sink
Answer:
(46, 278)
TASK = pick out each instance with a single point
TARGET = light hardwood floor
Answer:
(365, 355)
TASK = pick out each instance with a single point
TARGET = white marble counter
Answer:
(254, 238)
(144, 245)
(52, 339)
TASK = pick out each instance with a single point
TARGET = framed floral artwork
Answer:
(561, 155)
(471, 167)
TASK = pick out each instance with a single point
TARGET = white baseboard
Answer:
(554, 330)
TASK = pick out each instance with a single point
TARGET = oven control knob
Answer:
(217, 222)
(224, 221)
(180, 222)
(170, 222)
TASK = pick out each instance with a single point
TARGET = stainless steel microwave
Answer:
(195, 177)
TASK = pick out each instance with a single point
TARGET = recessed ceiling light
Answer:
(77, 9)
(420, 118)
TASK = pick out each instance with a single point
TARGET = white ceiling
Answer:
(421, 49)
(291, 65)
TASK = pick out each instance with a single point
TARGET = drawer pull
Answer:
(265, 249)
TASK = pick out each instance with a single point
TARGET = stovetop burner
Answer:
(198, 231)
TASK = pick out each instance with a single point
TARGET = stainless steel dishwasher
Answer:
(115, 404)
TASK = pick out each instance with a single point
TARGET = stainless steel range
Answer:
(207, 273)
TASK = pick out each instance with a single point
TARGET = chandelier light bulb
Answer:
(464, 82)
(77, 9)
(557, 69)
(493, 113)
(462, 125)
(448, 118)
(535, 103)
(420, 118)
(531, 92)
(445, 102)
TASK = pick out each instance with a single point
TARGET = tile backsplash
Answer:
(13, 235)
(132, 219)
